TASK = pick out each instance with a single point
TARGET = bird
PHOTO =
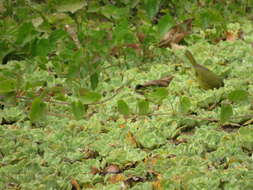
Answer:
(206, 78)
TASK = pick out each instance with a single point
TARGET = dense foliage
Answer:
(89, 101)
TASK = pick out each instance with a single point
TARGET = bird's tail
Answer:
(189, 55)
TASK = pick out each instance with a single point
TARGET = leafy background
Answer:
(70, 115)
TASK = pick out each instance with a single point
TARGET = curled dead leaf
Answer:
(176, 34)
(112, 169)
(231, 36)
(234, 35)
(163, 82)
(141, 37)
(95, 170)
(75, 185)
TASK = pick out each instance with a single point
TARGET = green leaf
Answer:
(57, 35)
(150, 137)
(185, 104)
(238, 96)
(246, 133)
(123, 108)
(73, 71)
(121, 31)
(87, 97)
(38, 109)
(226, 113)
(25, 33)
(94, 80)
(70, 6)
(158, 95)
(109, 11)
(143, 107)
(164, 24)
(7, 85)
(151, 7)
(78, 109)
(246, 137)
(42, 47)
(207, 17)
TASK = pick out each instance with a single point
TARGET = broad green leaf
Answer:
(164, 24)
(121, 31)
(208, 16)
(158, 95)
(108, 11)
(87, 97)
(57, 35)
(94, 80)
(150, 137)
(226, 113)
(42, 47)
(78, 109)
(246, 137)
(246, 133)
(37, 21)
(73, 71)
(143, 107)
(25, 33)
(123, 108)
(185, 104)
(38, 109)
(7, 85)
(238, 96)
(151, 7)
(70, 6)
(125, 155)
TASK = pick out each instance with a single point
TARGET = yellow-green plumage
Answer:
(206, 78)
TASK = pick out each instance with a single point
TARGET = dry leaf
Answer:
(94, 170)
(163, 82)
(75, 184)
(131, 138)
(176, 46)
(112, 169)
(231, 36)
(116, 178)
(157, 185)
(249, 122)
(235, 35)
(176, 34)
(141, 37)
(71, 31)
(116, 51)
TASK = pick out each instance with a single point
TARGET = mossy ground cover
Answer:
(175, 137)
